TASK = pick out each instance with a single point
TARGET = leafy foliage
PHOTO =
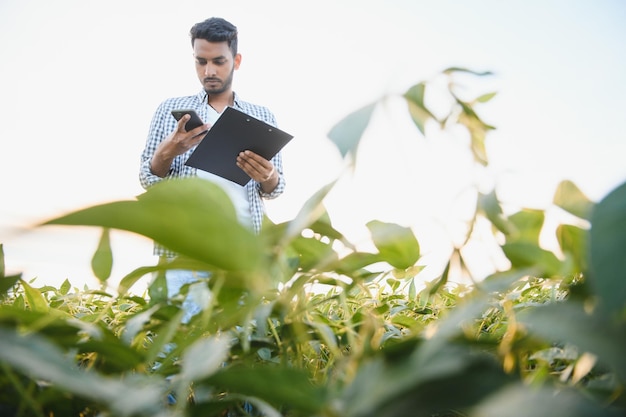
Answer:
(298, 322)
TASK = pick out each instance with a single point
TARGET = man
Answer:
(169, 145)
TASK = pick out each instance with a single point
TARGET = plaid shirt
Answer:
(163, 124)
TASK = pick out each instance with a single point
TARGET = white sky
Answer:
(79, 81)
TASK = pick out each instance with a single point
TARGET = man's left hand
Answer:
(259, 169)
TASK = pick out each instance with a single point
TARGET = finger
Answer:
(256, 159)
(200, 130)
(250, 167)
(182, 122)
(259, 169)
(254, 163)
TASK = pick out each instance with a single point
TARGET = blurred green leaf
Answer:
(528, 255)
(313, 253)
(289, 387)
(323, 227)
(33, 355)
(451, 70)
(65, 287)
(157, 290)
(573, 240)
(51, 323)
(6, 283)
(136, 322)
(440, 281)
(190, 216)
(479, 151)
(354, 262)
(111, 354)
(203, 358)
(417, 109)
(571, 199)
(519, 400)
(500, 282)
(486, 97)
(131, 278)
(163, 335)
(477, 129)
(452, 379)
(608, 251)
(397, 245)
(312, 210)
(102, 261)
(35, 298)
(489, 205)
(527, 225)
(567, 322)
(346, 134)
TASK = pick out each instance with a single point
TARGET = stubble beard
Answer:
(223, 87)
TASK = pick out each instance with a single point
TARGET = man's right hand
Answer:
(177, 143)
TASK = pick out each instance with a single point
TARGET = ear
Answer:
(237, 61)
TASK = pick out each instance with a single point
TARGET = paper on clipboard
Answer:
(232, 133)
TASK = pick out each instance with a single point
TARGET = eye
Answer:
(201, 61)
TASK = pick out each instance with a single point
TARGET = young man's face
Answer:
(215, 65)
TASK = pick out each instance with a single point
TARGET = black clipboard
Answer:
(233, 132)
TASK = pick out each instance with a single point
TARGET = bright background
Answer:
(79, 81)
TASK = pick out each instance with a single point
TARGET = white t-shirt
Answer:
(237, 193)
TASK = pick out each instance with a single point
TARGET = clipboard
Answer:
(234, 132)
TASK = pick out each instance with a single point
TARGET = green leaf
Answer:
(312, 210)
(65, 287)
(6, 283)
(102, 261)
(112, 354)
(290, 387)
(164, 335)
(354, 262)
(451, 70)
(346, 134)
(157, 291)
(411, 387)
(527, 224)
(440, 281)
(313, 253)
(571, 199)
(500, 282)
(519, 400)
(190, 216)
(477, 129)
(397, 245)
(136, 323)
(573, 241)
(35, 298)
(131, 278)
(607, 249)
(324, 227)
(417, 109)
(489, 205)
(203, 358)
(568, 322)
(404, 321)
(486, 97)
(528, 255)
(35, 356)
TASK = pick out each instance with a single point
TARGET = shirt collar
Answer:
(202, 96)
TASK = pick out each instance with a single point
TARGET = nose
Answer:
(209, 70)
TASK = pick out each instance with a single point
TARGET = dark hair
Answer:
(216, 29)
